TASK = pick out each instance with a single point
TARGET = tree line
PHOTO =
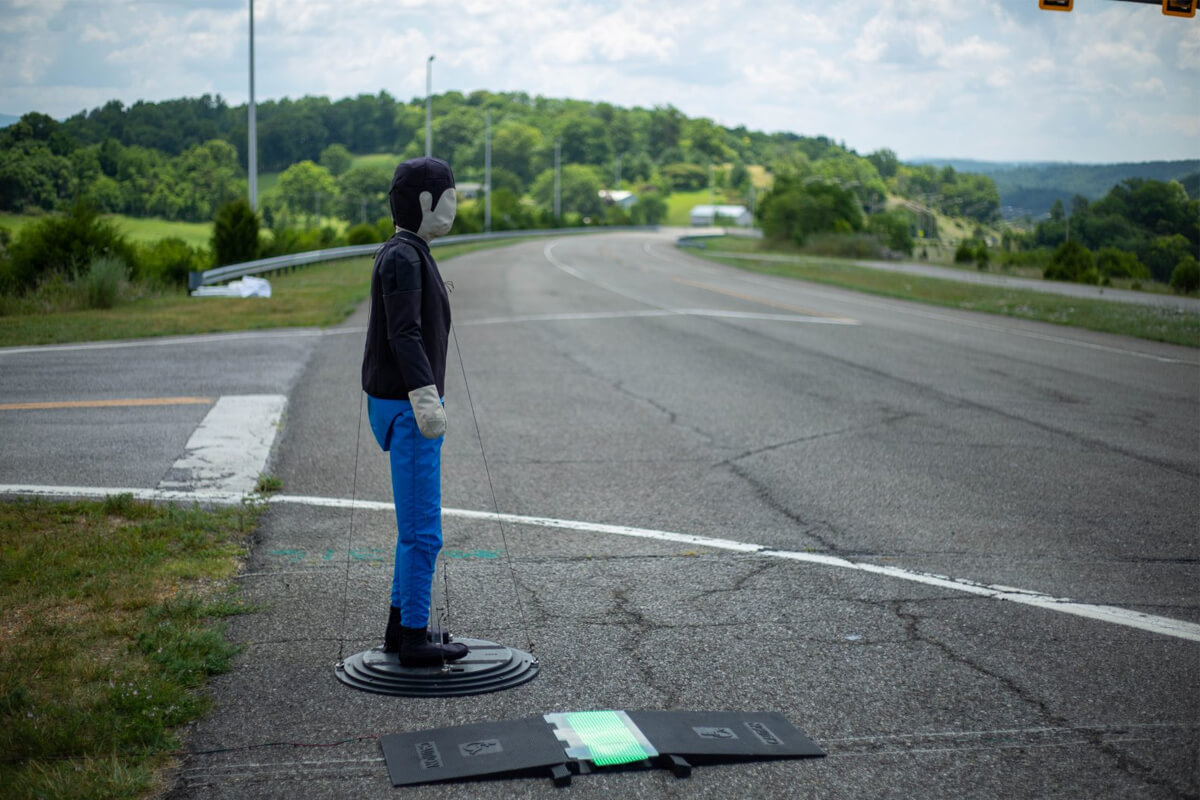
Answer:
(181, 159)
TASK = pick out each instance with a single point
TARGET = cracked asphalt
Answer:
(981, 448)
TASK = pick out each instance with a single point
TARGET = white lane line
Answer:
(1115, 615)
(229, 449)
(168, 341)
(1165, 626)
(548, 251)
(686, 312)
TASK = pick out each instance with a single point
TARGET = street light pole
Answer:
(428, 107)
(487, 172)
(558, 178)
(252, 145)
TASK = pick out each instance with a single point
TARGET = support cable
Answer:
(495, 503)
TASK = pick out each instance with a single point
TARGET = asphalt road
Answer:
(616, 380)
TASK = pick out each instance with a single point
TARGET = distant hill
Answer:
(1030, 188)
(7, 119)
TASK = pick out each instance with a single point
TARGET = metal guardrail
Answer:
(292, 260)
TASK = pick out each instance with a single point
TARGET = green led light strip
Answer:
(605, 738)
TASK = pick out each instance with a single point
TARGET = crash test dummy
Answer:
(403, 375)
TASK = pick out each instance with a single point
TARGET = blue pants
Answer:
(417, 493)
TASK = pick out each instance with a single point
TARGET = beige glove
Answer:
(427, 408)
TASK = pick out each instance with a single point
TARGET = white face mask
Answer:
(437, 222)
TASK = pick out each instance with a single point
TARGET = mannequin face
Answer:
(436, 221)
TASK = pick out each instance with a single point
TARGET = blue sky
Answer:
(1003, 80)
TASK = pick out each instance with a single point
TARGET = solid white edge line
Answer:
(1151, 623)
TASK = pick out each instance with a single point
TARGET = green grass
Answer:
(318, 295)
(141, 229)
(680, 205)
(110, 618)
(1126, 319)
(138, 229)
(376, 160)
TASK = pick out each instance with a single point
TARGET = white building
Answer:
(721, 215)
(618, 197)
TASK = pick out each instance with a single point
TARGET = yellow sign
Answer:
(1179, 8)
(1057, 5)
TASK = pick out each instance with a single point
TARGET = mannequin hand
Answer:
(427, 408)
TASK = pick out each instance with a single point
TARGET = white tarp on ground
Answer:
(248, 286)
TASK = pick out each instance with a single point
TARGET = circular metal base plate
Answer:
(488, 667)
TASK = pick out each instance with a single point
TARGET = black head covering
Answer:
(417, 175)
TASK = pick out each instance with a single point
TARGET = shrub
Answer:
(893, 228)
(1185, 278)
(102, 284)
(363, 233)
(235, 233)
(982, 256)
(1069, 263)
(64, 243)
(650, 209)
(168, 261)
(965, 252)
(858, 245)
(1114, 263)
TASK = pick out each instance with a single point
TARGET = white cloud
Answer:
(924, 77)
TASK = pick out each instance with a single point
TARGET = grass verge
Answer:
(318, 295)
(1105, 316)
(110, 623)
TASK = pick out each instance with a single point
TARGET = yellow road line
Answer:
(784, 306)
(134, 401)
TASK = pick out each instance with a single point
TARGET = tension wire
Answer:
(495, 503)
(350, 537)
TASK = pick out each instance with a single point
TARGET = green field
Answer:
(1126, 319)
(138, 229)
(376, 160)
(680, 205)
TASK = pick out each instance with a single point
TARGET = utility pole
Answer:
(252, 145)
(557, 178)
(487, 172)
(428, 107)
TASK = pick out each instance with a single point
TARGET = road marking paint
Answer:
(708, 287)
(548, 251)
(130, 402)
(1115, 615)
(170, 341)
(678, 312)
(229, 449)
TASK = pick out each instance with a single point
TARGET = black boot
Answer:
(417, 651)
(391, 638)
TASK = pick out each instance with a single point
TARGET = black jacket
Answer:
(409, 324)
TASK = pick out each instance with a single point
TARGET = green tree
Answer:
(580, 190)
(235, 233)
(1163, 254)
(205, 176)
(684, 177)
(1070, 262)
(795, 209)
(305, 187)
(650, 209)
(519, 148)
(336, 158)
(1185, 278)
(362, 193)
(892, 227)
